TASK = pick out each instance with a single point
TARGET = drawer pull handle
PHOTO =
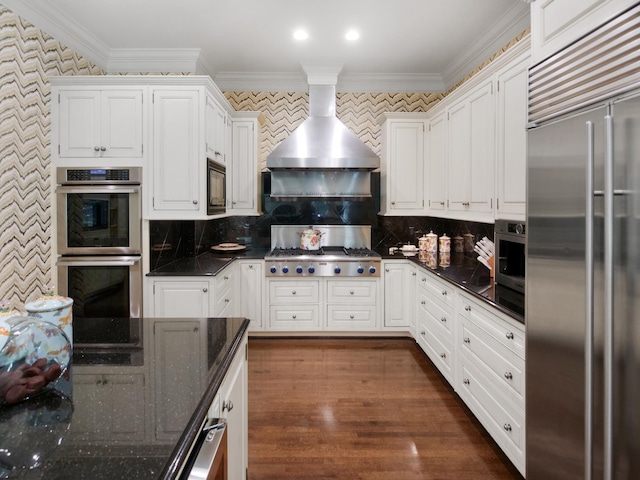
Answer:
(467, 308)
(507, 427)
(466, 381)
(205, 290)
(467, 340)
(444, 293)
(509, 335)
(228, 406)
(413, 274)
(508, 375)
(226, 300)
(443, 355)
(423, 333)
(351, 317)
(423, 302)
(226, 278)
(293, 316)
(443, 319)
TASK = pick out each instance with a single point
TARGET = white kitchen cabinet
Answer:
(249, 295)
(399, 279)
(294, 305)
(352, 305)
(97, 396)
(179, 372)
(437, 159)
(511, 137)
(178, 152)
(233, 397)
(216, 131)
(242, 180)
(557, 23)
(180, 297)
(223, 293)
(402, 166)
(471, 142)
(491, 374)
(96, 124)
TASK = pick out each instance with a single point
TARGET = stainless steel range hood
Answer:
(322, 157)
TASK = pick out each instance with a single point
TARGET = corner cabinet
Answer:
(402, 164)
(557, 23)
(95, 123)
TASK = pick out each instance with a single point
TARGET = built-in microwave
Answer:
(216, 187)
(511, 242)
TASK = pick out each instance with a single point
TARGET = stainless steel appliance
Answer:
(583, 259)
(98, 210)
(216, 187)
(345, 252)
(99, 231)
(510, 241)
(210, 453)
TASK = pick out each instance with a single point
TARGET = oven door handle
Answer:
(101, 261)
(99, 189)
(212, 449)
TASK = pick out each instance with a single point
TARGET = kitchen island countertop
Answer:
(130, 413)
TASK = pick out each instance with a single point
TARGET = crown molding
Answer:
(389, 82)
(261, 82)
(158, 60)
(514, 21)
(45, 16)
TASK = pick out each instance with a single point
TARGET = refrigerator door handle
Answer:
(589, 327)
(608, 299)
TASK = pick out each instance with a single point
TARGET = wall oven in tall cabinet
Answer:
(99, 242)
(216, 188)
(511, 241)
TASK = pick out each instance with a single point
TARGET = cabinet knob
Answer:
(466, 381)
(413, 274)
(226, 277)
(423, 302)
(508, 375)
(393, 203)
(205, 290)
(509, 335)
(507, 427)
(467, 308)
(443, 355)
(226, 300)
(423, 333)
(351, 292)
(217, 154)
(465, 204)
(250, 267)
(424, 279)
(351, 317)
(97, 149)
(467, 340)
(233, 203)
(103, 149)
(442, 204)
(444, 293)
(228, 406)
(386, 270)
(293, 316)
(195, 202)
(293, 292)
(443, 319)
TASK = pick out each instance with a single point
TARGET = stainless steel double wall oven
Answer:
(99, 243)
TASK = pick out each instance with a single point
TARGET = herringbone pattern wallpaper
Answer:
(27, 57)
(283, 112)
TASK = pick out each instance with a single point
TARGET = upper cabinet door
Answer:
(216, 131)
(459, 148)
(244, 168)
(437, 163)
(100, 124)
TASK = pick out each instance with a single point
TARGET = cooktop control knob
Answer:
(360, 269)
(273, 269)
(336, 270)
(372, 270)
(285, 269)
(298, 269)
(312, 269)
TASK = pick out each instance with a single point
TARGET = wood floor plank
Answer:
(360, 409)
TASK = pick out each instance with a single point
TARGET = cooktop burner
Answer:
(323, 251)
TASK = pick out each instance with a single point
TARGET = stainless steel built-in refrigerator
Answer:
(583, 259)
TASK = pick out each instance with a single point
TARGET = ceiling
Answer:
(404, 45)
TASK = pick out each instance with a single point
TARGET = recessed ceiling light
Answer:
(300, 34)
(352, 35)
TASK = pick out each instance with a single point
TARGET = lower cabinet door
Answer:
(294, 317)
(351, 317)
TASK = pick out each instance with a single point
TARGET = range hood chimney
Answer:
(322, 141)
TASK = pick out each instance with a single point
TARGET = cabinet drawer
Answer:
(438, 317)
(352, 292)
(304, 291)
(506, 369)
(505, 424)
(438, 289)
(437, 348)
(223, 304)
(504, 331)
(223, 280)
(293, 317)
(357, 317)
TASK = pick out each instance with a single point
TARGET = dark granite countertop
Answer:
(206, 264)
(123, 414)
(466, 272)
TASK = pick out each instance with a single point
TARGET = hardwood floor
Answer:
(360, 409)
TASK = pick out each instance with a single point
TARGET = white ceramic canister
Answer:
(431, 244)
(6, 314)
(54, 309)
(445, 244)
